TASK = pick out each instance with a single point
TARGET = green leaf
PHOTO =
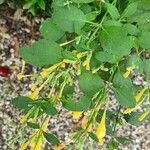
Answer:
(22, 102)
(90, 83)
(105, 57)
(29, 4)
(33, 125)
(50, 31)
(115, 41)
(82, 1)
(69, 19)
(133, 118)
(144, 40)
(108, 23)
(125, 97)
(82, 104)
(48, 108)
(68, 55)
(92, 15)
(112, 10)
(136, 62)
(123, 90)
(93, 137)
(51, 138)
(42, 53)
(131, 29)
(130, 10)
(41, 3)
(120, 81)
(147, 68)
(124, 140)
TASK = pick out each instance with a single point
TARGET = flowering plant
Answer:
(97, 44)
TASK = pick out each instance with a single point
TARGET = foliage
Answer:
(97, 44)
(33, 6)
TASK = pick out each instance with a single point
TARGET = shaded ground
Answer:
(15, 31)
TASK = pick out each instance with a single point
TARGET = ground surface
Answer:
(15, 31)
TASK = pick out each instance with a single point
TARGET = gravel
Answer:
(13, 34)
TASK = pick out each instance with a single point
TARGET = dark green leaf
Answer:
(124, 140)
(82, 1)
(42, 53)
(51, 138)
(22, 102)
(41, 3)
(50, 31)
(93, 136)
(125, 97)
(105, 57)
(120, 81)
(131, 29)
(130, 10)
(82, 104)
(133, 118)
(115, 41)
(144, 40)
(89, 83)
(69, 19)
(48, 108)
(33, 125)
(112, 10)
(147, 68)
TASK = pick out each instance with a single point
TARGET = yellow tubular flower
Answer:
(101, 129)
(45, 125)
(129, 110)
(24, 146)
(23, 66)
(143, 116)
(33, 87)
(76, 114)
(86, 64)
(59, 147)
(101, 142)
(61, 90)
(67, 61)
(63, 65)
(127, 73)
(85, 123)
(39, 144)
(20, 76)
(140, 94)
(24, 118)
(46, 72)
(79, 55)
(34, 94)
